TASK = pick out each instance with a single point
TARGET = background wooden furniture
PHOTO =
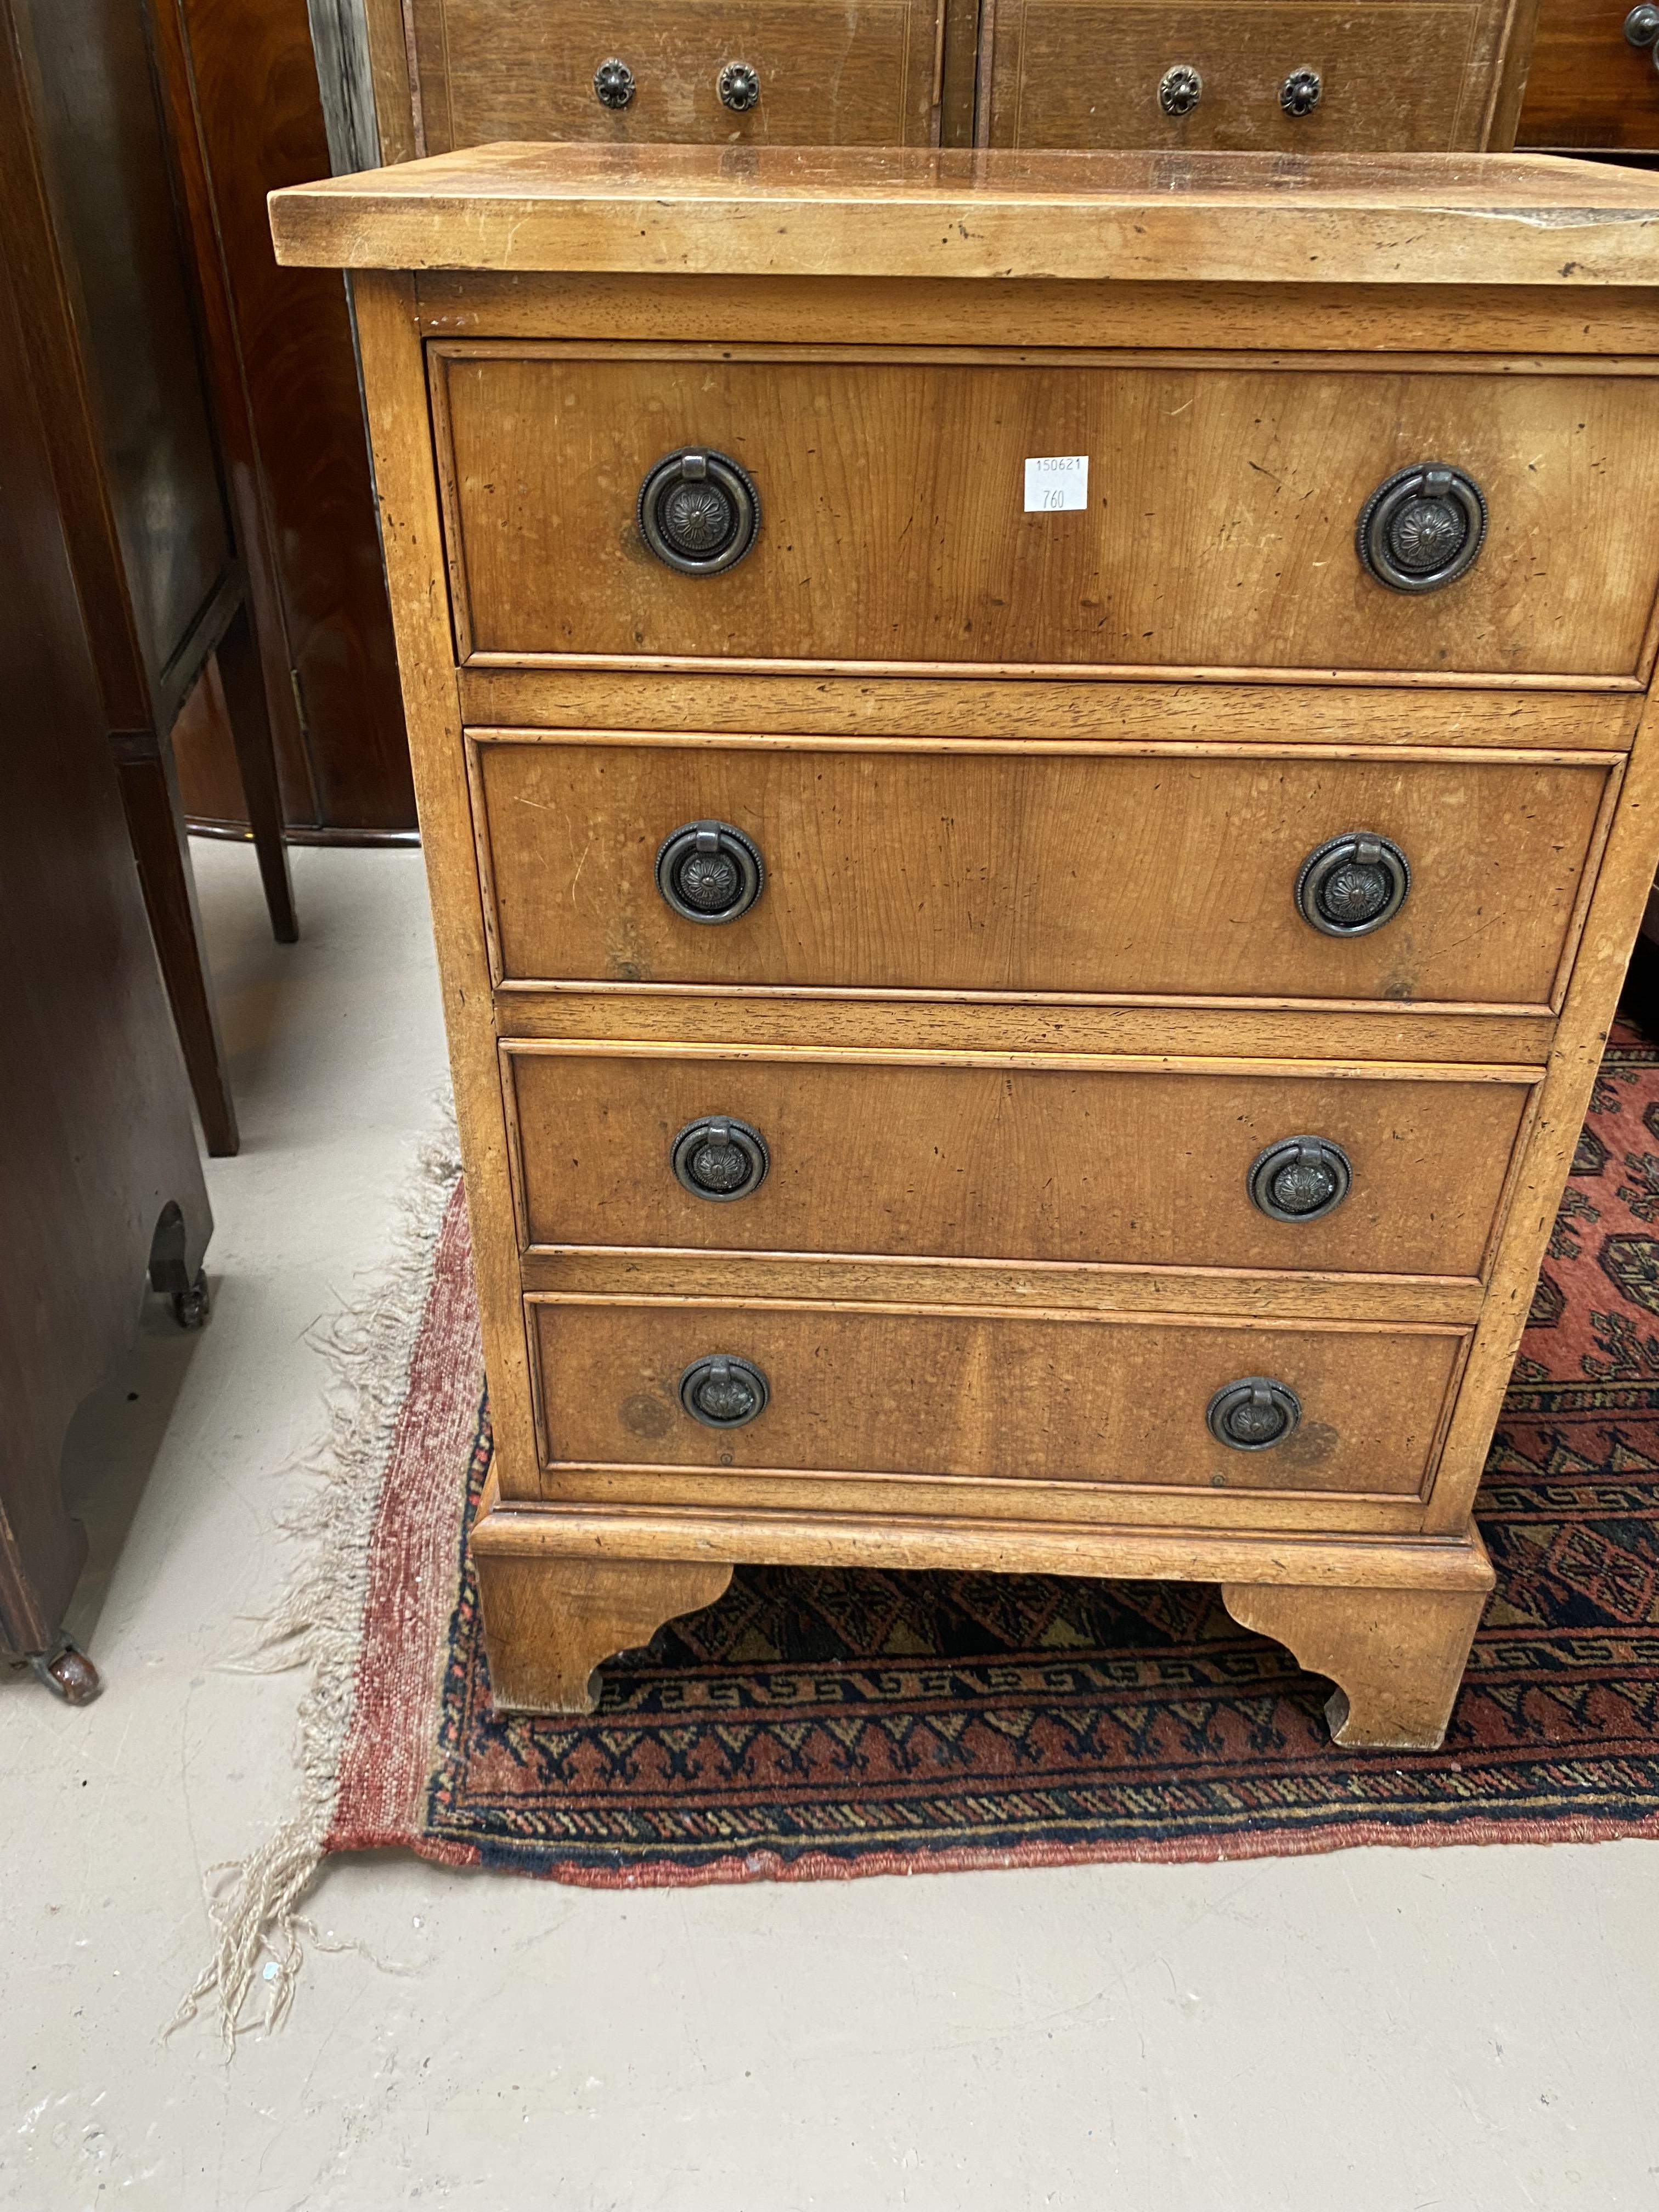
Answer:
(882, 716)
(113, 350)
(101, 1179)
(239, 84)
(1246, 74)
(1590, 88)
(1375, 77)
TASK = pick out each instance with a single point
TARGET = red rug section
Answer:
(825, 1724)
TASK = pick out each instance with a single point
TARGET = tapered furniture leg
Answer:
(155, 823)
(551, 1622)
(1396, 1655)
(255, 759)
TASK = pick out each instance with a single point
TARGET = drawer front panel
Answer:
(861, 74)
(1587, 85)
(1005, 1163)
(1392, 79)
(1218, 532)
(1022, 871)
(1008, 1397)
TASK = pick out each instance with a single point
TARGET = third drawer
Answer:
(968, 1160)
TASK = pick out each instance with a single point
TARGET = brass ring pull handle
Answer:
(719, 1158)
(709, 871)
(613, 83)
(1180, 89)
(698, 511)
(1351, 884)
(1299, 1179)
(1423, 527)
(738, 87)
(1252, 1414)
(724, 1392)
(1301, 92)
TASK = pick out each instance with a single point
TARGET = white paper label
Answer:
(1057, 484)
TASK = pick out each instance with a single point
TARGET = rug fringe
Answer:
(318, 1623)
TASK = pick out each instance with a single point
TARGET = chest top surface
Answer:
(1483, 219)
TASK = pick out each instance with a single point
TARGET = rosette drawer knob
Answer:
(1301, 92)
(698, 511)
(1253, 1413)
(720, 1159)
(613, 83)
(1351, 884)
(1300, 1178)
(1180, 89)
(738, 87)
(1423, 527)
(709, 871)
(724, 1392)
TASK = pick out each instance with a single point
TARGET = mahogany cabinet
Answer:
(240, 82)
(164, 563)
(101, 1184)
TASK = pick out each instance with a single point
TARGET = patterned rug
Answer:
(819, 1723)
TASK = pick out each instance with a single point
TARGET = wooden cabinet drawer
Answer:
(1057, 1398)
(1218, 532)
(1008, 1162)
(966, 868)
(1587, 85)
(861, 74)
(1416, 79)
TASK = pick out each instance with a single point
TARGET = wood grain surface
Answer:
(901, 212)
(1009, 1163)
(1587, 86)
(981, 1395)
(1010, 870)
(1165, 710)
(894, 526)
(1423, 79)
(860, 74)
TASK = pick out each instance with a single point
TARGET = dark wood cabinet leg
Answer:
(155, 823)
(256, 758)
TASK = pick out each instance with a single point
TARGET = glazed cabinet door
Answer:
(793, 72)
(1375, 77)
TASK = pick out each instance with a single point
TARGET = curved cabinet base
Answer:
(1396, 1655)
(565, 1589)
(550, 1624)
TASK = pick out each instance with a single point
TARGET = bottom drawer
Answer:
(1052, 1397)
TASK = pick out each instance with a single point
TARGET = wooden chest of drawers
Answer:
(1292, 76)
(1037, 780)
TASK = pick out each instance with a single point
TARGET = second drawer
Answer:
(1008, 1162)
(975, 868)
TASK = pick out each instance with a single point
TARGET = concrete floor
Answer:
(1374, 2031)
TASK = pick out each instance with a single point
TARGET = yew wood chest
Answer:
(1036, 777)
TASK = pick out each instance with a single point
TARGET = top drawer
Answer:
(1217, 530)
(1255, 74)
(792, 72)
